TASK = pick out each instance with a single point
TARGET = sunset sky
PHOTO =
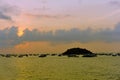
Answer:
(52, 26)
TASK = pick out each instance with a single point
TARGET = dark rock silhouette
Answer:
(118, 54)
(2, 55)
(74, 52)
(59, 55)
(77, 51)
(53, 54)
(72, 55)
(106, 54)
(114, 54)
(8, 55)
(20, 56)
(89, 55)
(42, 55)
(23, 55)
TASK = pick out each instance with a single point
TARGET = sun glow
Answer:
(20, 33)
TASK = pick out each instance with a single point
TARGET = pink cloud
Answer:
(48, 16)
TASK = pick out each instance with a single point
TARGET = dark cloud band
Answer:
(9, 37)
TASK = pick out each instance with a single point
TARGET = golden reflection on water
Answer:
(31, 68)
(23, 68)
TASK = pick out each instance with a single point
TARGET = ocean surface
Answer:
(60, 68)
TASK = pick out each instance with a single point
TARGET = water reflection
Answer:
(22, 68)
(59, 68)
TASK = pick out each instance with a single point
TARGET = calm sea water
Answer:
(60, 68)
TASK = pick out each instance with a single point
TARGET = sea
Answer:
(60, 68)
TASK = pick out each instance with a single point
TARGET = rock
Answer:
(73, 55)
(77, 51)
(53, 54)
(43, 55)
(89, 55)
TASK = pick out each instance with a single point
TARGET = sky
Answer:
(52, 26)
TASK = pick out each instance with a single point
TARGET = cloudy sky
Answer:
(52, 26)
